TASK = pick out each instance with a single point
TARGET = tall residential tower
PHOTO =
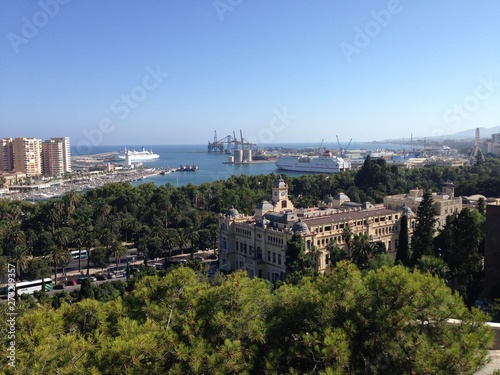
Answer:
(28, 156)
(6, 155)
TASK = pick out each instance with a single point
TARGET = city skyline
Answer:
(165, 73)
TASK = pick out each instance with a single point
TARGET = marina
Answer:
(104, 166)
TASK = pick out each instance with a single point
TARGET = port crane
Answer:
(343, 151)
(320, 145)
(229, 143)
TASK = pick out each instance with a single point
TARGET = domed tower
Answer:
(262, 208)
(300, 227)
(448, 188)
(232, 213)
(280, 195)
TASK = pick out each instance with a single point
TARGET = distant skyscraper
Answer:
(6, 155)
(27, 156)
(52, 158)
(66, 147)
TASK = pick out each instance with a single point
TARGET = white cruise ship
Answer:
(134, 155)
(326, 163)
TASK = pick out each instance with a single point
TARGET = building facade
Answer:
(66, 152)
(27, 155)
(52, 158)
(257, 243)
(492, 252)
(6, 155)
(445, 203)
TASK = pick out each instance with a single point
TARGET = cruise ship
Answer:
(326, 163)
(134, 155)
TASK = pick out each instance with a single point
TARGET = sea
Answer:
(212, 166)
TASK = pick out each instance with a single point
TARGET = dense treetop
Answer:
(390, 320)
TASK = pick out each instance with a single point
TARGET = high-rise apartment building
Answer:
(52, 158)
(6, 155)
(27, 156)
(66, 152)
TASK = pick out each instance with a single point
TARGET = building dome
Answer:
(280, 183)
(300, 227)
(342, 196)
(265, 205)
(232, 212)
(406, 210)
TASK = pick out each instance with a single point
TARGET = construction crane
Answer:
(343, 151)
(320, 145)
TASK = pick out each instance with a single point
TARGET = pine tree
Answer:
(423, 236)
(403, 255)
(86, 290)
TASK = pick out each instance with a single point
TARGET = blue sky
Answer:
(172, 72)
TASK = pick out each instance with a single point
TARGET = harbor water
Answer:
(211, 166)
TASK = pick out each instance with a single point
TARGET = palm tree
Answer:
(171, 240)
(14, 236)
(193, 237)
(63, 237)
(434, 266)
(312, 258)
(335, 252)
(78, 242)
(362, 251)
(347, 237)
(54, 214)
(70, 201)
(182, 239)
(117, 250)
(57, 257)
(20, 256)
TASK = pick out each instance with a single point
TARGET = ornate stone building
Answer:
(445, 203)
(258, 243)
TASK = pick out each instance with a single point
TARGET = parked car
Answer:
(80, 279)
(200, 258)
(59, 286)
(101, 277)
(111, 276)
(71, 282)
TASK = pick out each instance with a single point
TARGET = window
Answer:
(279, 258)
(259, 253)
(274, 257)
